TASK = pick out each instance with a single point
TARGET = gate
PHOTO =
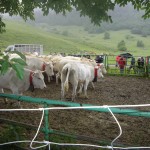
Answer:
(112, 69)
(135, 70)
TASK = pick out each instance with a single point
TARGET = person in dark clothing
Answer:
(140, 63)
(132, 65)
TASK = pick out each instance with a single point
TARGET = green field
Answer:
(71, 39)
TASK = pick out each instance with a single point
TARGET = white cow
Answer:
(77, 74)
(59, 62)
(17, 86)
(35, 63)
(62, 61)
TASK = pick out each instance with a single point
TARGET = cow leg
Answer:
(80, 88)
(93, 85)
(63, 79)
(74, 91)
(62, 91)
(5, 99)
(15, 91)
(85, 89)
(19, 103)
(49, 79)
(57, 78)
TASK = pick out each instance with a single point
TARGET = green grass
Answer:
(74, 40)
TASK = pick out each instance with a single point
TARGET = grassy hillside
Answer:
(70, 39)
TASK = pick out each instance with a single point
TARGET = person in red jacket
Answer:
(121, 64)
(117, 59)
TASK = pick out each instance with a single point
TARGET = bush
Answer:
(140, 44)
(129, 37)
(122, 46)
(65, 33)
(106, 35)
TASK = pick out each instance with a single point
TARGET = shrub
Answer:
(65, 33)
(122, 46)
(106, 35)
(140, 44)
(129, 37)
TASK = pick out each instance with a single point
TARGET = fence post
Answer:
(147, 66)
(46, 120)
(106, 61)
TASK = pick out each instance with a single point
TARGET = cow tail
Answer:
(66, 83)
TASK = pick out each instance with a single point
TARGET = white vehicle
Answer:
(28, 48)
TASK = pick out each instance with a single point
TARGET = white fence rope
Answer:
(48, 143)
(80, 107)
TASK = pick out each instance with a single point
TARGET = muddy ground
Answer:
(111, 90)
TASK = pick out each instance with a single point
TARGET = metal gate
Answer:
(129, 69)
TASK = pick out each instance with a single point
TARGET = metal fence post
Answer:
(46, 126)
(106, 61)
(147, 66)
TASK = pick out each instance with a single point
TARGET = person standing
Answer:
(140, 63)
(132, 65)
(121, 64)
(117, 59)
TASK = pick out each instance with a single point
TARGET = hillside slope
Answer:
(70, 39)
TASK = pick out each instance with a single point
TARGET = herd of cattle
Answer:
(77, 71)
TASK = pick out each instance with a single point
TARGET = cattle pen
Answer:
(48, 105)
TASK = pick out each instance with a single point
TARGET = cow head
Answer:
(99, 73)
(38, 80)
(102, 67)
(49, 69)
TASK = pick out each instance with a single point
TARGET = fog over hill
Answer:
(123, 18)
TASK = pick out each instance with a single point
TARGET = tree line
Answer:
(123, 18)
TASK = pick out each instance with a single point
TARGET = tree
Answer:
(96, 10)
(122, 46)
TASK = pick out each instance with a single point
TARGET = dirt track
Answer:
(108, 91)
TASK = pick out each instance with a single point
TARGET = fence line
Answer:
(45, 110)
(72, 105)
